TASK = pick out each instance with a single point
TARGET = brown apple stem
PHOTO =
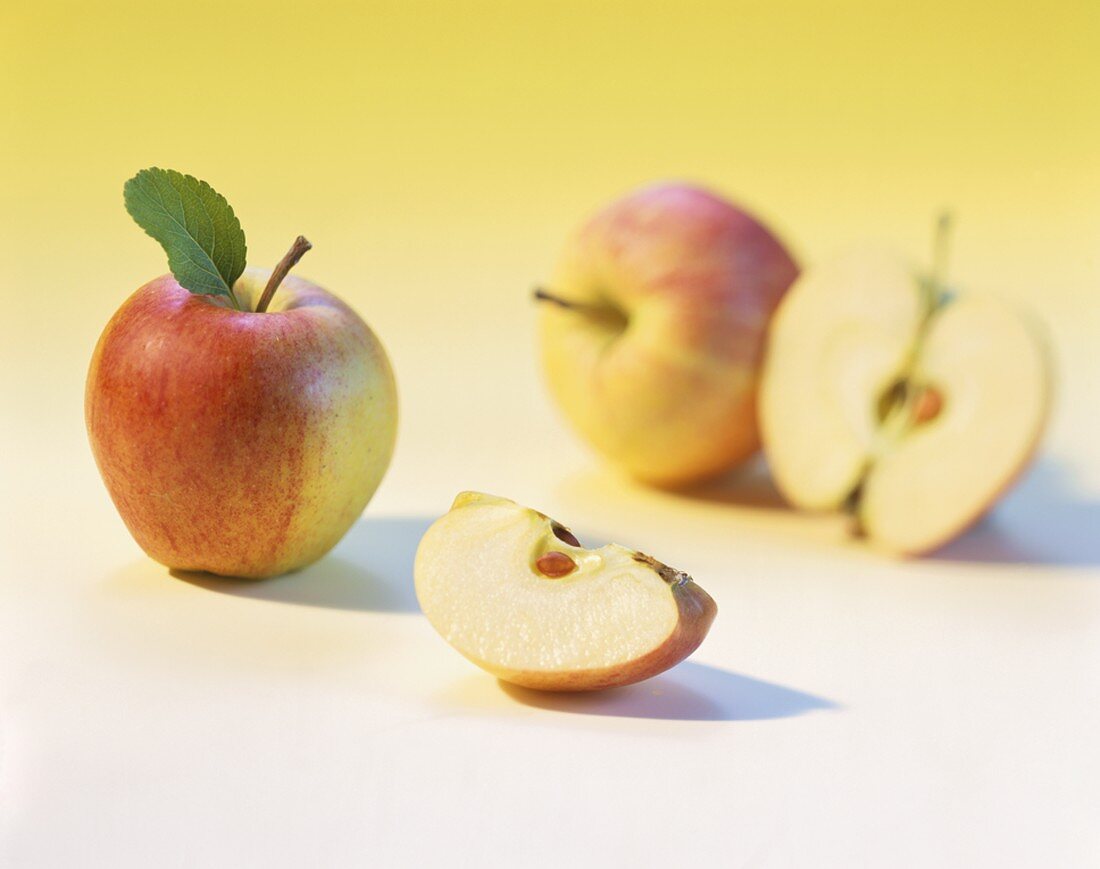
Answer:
(296, 252)
(542, 295)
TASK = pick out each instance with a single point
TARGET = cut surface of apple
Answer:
(837, 343)
(509, 588)
(989, 366)
(911, 408)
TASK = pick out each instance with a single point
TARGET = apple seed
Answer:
(564, 534)
(555, 565)
(928, 405)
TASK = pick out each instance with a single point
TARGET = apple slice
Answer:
(913, 409)
(514, 592)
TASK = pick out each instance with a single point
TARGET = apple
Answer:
(652, 331)
(516, 593)
(885, 395)
(237, 442)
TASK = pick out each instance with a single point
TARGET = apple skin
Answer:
(238, 443)
(665, 382)
(697, 612)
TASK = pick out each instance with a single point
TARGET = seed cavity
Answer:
(892, 398)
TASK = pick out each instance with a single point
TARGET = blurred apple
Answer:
(909, 406)
(653, 327)
(238, 442)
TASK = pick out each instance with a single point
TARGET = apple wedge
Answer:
(514, 592)
(913, 409)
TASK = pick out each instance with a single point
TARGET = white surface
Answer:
(846, 710)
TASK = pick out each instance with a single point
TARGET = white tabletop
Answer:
(845, 710)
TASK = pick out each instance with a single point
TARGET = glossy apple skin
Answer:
(668, 391)
(238, 443)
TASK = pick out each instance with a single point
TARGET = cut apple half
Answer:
(913, 409)
(515, 593)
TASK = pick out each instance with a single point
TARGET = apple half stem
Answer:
(297, 251)
(940, 249)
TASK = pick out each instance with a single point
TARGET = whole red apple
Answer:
(653, 332)
(238, 442)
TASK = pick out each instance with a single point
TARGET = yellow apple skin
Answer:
(659, 367)
(239, 443)
(697, 611)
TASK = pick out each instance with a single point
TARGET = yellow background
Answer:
(935, 712)
(438, 153)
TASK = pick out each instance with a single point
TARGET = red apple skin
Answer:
(669, 391)
(238, 443)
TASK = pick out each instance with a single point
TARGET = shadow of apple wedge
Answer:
(513, 591)
(692, 692)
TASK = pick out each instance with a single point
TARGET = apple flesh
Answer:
(653, 327)
(239, 443)
(913, 409)
(511, 590)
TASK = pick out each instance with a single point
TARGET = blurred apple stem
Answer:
(296, 252)
(606, 313)
(940, 250)
(545, 295)
(542, 295)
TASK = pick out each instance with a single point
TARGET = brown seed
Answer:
(928, 405)
(564, 534)
(556, 565)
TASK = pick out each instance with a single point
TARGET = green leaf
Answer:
(194, 224)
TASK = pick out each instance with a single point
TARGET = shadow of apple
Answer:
(371, 570)
(748, 485)
(689, 692)
(1044, 521)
